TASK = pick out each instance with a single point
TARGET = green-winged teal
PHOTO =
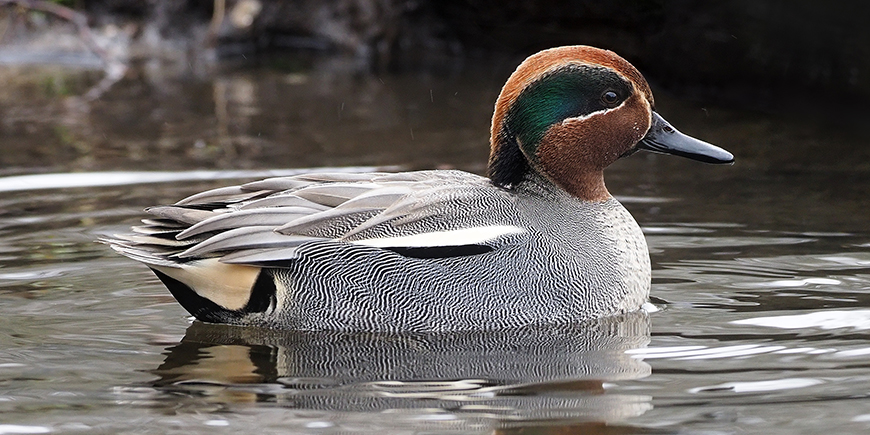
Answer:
(540, 241)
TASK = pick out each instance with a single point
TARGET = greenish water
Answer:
(761, 270)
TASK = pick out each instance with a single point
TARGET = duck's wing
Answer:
(419, 214)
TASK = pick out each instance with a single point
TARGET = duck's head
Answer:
(569, 112)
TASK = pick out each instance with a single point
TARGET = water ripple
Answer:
(98, 179)
(858, 320)
(703, 352)
(759, 386)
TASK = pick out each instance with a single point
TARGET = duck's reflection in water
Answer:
(545, 376)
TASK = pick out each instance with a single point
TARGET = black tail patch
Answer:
(262, 297)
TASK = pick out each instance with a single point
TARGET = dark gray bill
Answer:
(665, 139)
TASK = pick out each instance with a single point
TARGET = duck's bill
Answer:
(665, 139)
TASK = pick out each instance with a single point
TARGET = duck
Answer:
(538, 241)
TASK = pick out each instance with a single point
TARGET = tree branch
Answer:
(113, 68)
(79, 19)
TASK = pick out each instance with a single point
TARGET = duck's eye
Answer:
(609, 98)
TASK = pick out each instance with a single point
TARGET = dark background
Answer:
(767, 55)
(784, 85)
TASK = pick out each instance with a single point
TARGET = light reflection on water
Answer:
(97, 179)
(761, 278)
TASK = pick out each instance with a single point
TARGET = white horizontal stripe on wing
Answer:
(465, 236)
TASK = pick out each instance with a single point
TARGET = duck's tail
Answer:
(210, 290)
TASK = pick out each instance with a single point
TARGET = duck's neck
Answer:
(509, 167)
(588, 188)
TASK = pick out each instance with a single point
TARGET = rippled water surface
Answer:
(761, 270)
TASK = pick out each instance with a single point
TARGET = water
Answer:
(761, 270)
